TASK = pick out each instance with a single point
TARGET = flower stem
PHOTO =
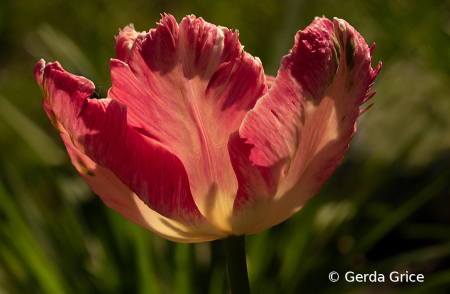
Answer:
(237, 264)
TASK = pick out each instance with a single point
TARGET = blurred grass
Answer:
(385, 208)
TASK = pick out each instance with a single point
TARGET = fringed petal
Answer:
(188, 88)
(298, 132)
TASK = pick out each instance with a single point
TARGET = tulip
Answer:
(194, 142)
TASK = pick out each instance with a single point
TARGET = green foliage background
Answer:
(386, 207)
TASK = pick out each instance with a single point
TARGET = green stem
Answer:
(237, 264)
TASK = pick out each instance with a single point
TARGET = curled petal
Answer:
(119, 162)
(188, 88)
(298, 132)
(269, 81)
(125, 41)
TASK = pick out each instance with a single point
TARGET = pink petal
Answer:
(125, 41)
(117, 159)
(298, 132)
(188, 88)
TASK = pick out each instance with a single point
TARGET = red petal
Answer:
(99, 131)
(297, 134)
(188, 87)
(119, 197)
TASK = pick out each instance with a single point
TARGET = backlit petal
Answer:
(188, 88)
(116, 156)
(297, 133)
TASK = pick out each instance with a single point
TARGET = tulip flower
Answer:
(194, 142)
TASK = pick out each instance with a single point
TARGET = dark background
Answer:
(386, 208)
